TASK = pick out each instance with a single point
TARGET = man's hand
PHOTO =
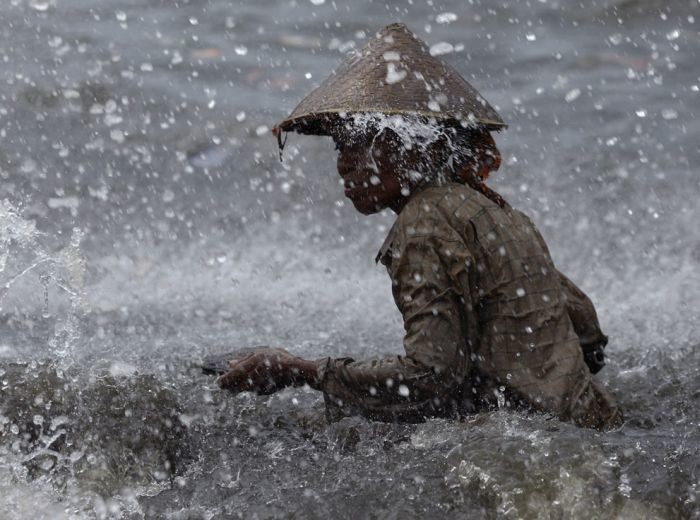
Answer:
(267, 370)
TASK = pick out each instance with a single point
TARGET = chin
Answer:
(366, 207)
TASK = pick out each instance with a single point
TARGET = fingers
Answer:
(233, 380)
(249, 375)
(262, 372)
(236, 378)
(237, 381)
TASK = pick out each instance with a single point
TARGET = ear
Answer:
(484, 172)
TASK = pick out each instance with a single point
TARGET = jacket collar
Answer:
(386, 246)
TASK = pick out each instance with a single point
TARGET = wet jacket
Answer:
(489, 321)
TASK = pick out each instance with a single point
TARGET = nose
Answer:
(343, 169)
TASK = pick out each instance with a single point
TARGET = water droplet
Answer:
(318, 2)
(404, 391)
(241, 50)
(111, 120)
(530, 37)
(391, 56)
(39, 5)
(441, 48)
(121, 16)
(669, 113)
(615, 39)
(445, 18)
(393, 75)
(572, 95)
(117, 135)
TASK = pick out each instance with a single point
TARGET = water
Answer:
(146, 222)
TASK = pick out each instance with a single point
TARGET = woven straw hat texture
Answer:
(393, 73)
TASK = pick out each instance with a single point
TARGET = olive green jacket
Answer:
(489, 321)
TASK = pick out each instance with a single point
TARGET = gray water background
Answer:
(146, 221)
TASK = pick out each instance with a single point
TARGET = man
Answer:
(489, 320)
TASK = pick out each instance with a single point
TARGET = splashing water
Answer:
(414, 133)
(135, 251)
(62, 271)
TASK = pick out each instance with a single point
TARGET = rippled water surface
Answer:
(146, 221)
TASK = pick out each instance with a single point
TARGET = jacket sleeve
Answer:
(583, 316)
(580, 309)
(429, 278)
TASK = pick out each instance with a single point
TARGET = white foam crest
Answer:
(26, 262)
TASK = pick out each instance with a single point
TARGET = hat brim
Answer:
(325, 122)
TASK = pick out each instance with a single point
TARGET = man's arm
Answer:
(585, 320)
(429, 278)
(583, 316)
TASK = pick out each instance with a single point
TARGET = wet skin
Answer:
(374, 172)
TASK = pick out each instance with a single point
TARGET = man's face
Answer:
(373, 172)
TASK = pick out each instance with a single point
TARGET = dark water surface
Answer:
(145, 221)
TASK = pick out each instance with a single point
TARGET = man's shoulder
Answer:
(450, 204)
(431, 214)
(428, 207)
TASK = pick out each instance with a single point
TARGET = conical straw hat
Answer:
(394, 73)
